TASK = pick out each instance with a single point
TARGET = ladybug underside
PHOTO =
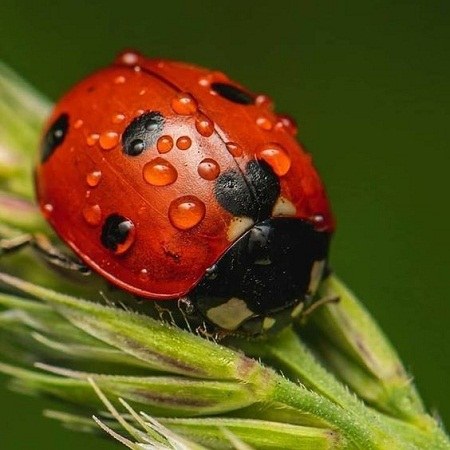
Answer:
(173, 182)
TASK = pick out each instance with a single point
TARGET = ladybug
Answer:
(177, 184)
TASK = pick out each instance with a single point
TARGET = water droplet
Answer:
(287, 123)
(118, 233)
(128, 57)
(108, 140)
(118, 118)
(276, 157)
(208, 169)
(159, 172)
(142, 91)
(234, 149)
(186, 212)
(204, 81)
(92, 139)
(164, 144)
(93, 178)
(78, 124)
(204, 125)
(136, 147)
(184, 142)
(318, 219)
(184, 104)
(137, 68)
(264, 123)
(264, 101)
(144, 275)
(47, 209)
(120, 79)
(92, 214)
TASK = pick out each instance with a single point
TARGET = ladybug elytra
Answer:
(174, 182)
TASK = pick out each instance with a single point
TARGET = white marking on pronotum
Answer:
(231, 314)
(238, 226)
(283, 207)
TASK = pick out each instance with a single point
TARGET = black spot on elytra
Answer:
(54, 137)
(142, 133)
(115, 231)
(232, 93)
(253, 196)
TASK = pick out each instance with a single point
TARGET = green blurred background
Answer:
(369, 85)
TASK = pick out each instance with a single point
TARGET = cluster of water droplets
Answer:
(187, 211)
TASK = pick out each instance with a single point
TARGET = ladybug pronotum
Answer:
(174, 182)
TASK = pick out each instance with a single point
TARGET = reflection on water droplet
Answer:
(204, 125)
(208, 169)
(144, 275)
(118, 118)
(184, 104)
(92, 214)
(93, 178)
(234, 149)
(287, 123)
(159, 172)
(264, 123)
(120, 79)
(264, 101)
(128, 57)
(78, 124)
(186, 212)
(92, 139)
(276, 157)
(108, 140)
(184, 142)
(164, 144)
(47, 209)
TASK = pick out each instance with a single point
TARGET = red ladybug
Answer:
(172, 181)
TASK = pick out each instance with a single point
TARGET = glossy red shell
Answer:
(89, 177)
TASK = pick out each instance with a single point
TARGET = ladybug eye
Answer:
(232, 93)
(118, 233)
(55, 136)
(142, 133)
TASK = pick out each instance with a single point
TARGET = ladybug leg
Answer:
(318, 304)
(14, 244)
(42, 245)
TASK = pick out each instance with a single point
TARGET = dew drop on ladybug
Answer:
(118, 118)
(235, 149)
(92, 139)
(208, 169)
(159, 172)
(264, 123)
(184, 104)
(186, 212)
(93, 178)
(276, 157)
(204, 125)
(164, 144)
(108, 140)
(184, 142)
(92, 214)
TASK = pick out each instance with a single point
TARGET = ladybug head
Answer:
(264, 278)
